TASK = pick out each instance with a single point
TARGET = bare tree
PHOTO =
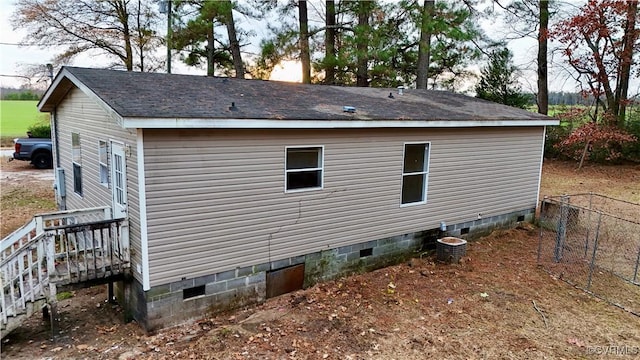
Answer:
(524, 17)
(120, 29)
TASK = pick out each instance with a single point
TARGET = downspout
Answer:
(59, 184)
(54, 120)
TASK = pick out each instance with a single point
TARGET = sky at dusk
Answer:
(14, 59)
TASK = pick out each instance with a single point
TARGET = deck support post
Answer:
(111, 294)
(53, 311)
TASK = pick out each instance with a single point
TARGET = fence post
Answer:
(561, 234)
(586, 243)
(595, 248)
(53, 310)
(541, 219)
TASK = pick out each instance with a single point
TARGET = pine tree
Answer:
(498, 82)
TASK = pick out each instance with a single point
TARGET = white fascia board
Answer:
(66, 74)
(51, 89)
(192, 123)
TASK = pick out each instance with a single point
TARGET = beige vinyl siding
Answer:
(79, 114)
(216, 199)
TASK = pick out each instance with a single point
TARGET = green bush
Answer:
(22, 95)
(40, 130)
(631, 151)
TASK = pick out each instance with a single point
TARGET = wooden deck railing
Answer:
(22, 279)
(56, 249)
(86, 251)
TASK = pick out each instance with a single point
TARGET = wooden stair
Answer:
(58, 251)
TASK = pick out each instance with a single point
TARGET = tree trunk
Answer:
(424, 47)
(140, 39)
(238, 65)
(169, 34)
(330, 43)
(127, 47)
(305, 58)
(362, 47)
(123, 15)
(611, 106)
(543, 85)
(210, 49)
(629, 38)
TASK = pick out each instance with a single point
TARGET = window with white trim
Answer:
(103, 167)
(76, 156)
(304, 168)
(415, 173)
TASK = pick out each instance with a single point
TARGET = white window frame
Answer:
(77, 161)
(425, 172)
(103, 167)
(321, 168)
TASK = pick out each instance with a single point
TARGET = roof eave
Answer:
(213, 123)
(59, 88)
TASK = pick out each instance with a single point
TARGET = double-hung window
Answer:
(303, 168)
(102, 163)
(415, 173)
(76, 156)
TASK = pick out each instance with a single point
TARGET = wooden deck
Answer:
(59, 251)
(77, 273)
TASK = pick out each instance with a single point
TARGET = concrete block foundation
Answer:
(171, 304)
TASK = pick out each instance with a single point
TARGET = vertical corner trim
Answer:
(144, 244)
(544, 135)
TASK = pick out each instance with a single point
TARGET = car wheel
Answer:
(42, 161)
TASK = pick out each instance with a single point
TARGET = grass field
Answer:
(555, 109)
(16, 116)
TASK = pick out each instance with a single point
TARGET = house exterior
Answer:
(230, 186)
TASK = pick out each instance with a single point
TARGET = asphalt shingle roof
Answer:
(159, 95)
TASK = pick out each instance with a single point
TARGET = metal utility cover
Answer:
(285, 280)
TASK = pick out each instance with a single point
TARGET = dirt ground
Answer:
(24, 192)
(561, 177)
(496, 304)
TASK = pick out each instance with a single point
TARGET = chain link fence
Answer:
(593, 242)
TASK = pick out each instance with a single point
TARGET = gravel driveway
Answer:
(20, 170)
